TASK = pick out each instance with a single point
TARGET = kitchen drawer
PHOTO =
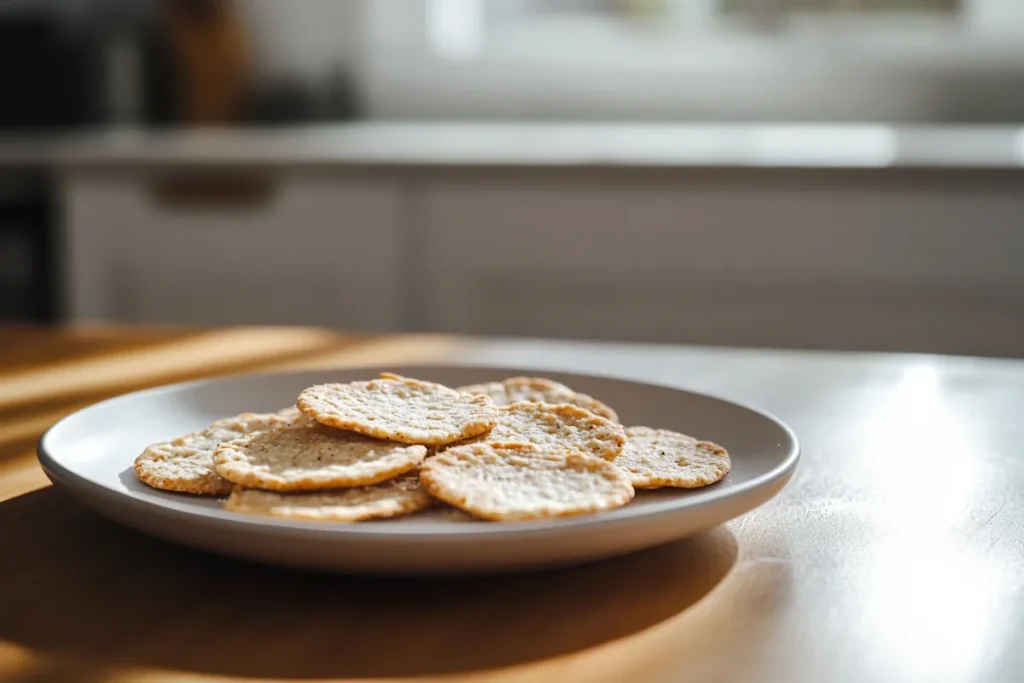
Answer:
(294, 247)
(177, 294)
(879, 266)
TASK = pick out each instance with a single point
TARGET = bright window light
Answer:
(455, 27)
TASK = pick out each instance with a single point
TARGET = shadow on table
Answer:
(76, 588)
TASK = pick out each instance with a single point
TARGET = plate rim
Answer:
(75, 483)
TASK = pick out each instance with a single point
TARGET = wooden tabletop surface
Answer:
(895, 554)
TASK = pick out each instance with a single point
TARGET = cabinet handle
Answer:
(213, 192)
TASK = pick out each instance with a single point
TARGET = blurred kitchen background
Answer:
(797, 173)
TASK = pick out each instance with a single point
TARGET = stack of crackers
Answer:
(524, 448)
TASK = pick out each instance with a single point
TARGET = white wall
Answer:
(972, 71)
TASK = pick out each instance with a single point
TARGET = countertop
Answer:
(538, 144)
(893, 555)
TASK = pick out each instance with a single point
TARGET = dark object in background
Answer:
(216, 81)
(28, 272)
(211, 59)
(341, 100)
(94, 63)
(45, 77)
(280, 102)
(59, 73)
(290, 101)
(62, 70)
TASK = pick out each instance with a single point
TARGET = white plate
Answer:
(90, 453)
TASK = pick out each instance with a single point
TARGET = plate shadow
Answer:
(73, 585)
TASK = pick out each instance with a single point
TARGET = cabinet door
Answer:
(233, 248)
(750, 260)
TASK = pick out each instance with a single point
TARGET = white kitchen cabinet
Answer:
(861, 263)
(924, 261)
(223, 247)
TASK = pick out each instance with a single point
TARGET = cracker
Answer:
(291, 412)
(311, 458)
(391, 498)
(400, 409)
(185, 464)
(539, 390)
(492, 390)
(522, 482)
(448, 513)
(559, 427)
(656, 458)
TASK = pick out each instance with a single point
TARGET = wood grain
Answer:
(47, 374)
(893, 555)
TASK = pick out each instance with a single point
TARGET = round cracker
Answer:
(311, 458)
(400, 409)
(185, 464)
(391, 498)
(656, 458)
(522, 482)
(559, 427)
(539, 390)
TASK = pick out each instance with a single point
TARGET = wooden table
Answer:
(895, 554)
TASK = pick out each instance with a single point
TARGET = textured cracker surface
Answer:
(388, 499)
(310, 458)
(656, 458)
(538, 390)
(400, 409)
(522, 482)
(558, 427)
(185, 464)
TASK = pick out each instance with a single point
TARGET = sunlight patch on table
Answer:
(931, 600)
